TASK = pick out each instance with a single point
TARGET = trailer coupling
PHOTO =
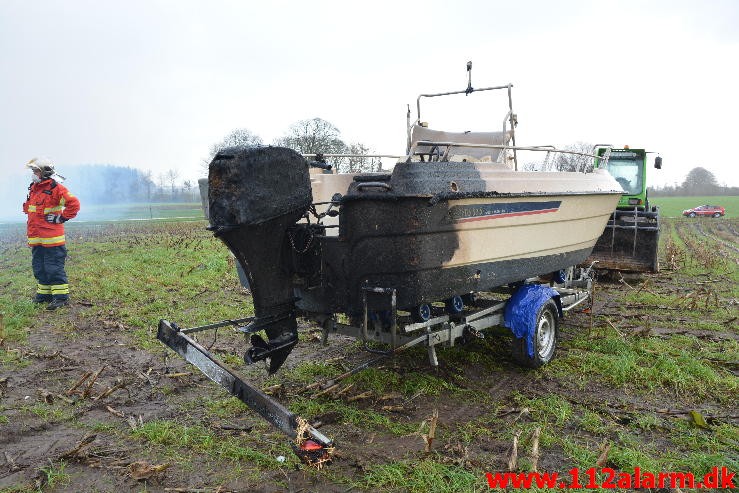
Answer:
(310, 445)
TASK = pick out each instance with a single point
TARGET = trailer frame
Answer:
(443, 330)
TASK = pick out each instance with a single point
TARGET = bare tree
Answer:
(532, 166)
(188, 188)
(359, 164)
(147, 182)
(312, 137)
(237, 137)
(171, 176)
(574, 162)
(161, 182)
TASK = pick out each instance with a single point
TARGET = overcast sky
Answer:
(152, 84)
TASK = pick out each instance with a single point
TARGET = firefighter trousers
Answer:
(48, 269)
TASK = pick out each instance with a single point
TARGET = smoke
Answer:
(97, 187)
(13, 190)
(97, 184)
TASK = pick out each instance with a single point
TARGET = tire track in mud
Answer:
(730, 227)
(734, 248)
(506, 383)
(727, 228)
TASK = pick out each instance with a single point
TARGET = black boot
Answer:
(42, 298)
(56, 303)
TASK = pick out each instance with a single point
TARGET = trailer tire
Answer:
(454, 305)
(545, 338)
(421, 313)
(469, 299)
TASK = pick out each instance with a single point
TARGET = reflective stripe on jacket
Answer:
(48, 197)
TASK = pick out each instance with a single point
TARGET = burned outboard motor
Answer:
(256, 194)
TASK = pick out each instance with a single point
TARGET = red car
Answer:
(705, 210)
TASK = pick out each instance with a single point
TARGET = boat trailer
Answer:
(313, 447)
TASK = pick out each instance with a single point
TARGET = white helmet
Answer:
(42, 164)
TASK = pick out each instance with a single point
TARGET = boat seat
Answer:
(419, 133)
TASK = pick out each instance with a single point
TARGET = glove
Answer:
(55, 218)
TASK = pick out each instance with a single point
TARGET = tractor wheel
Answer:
(545, 338)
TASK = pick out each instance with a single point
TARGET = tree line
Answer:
(312, 136)
(106, 184)
(698, 182)
(102, 184)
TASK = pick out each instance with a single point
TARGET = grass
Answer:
(382, 381)
(181, 441)
(135, 211)
(17, 311)
(225, 408)
(54, 475)
(50, 413)
(133, 275)
(141, 211)
(305, 373)
(647, 365)
(366, 419)
(683, 368)
(421, 476)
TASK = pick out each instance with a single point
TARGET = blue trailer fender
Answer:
(522, 308)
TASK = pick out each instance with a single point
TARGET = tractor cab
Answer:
(630, 240)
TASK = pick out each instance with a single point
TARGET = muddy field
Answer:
(90, 401)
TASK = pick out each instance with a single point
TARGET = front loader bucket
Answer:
(629, 243)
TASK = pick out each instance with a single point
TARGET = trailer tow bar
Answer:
(312, 446)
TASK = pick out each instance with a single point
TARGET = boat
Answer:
(455, 216)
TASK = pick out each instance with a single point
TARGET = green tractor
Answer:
(630, 240)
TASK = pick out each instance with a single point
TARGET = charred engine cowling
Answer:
(256, 194)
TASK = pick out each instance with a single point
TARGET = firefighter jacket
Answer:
(48, 197)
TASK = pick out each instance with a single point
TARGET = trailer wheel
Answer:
(545, 338)
(454, 305)
(421, 313)
(469, 299)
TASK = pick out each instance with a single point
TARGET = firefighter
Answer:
(48, 206)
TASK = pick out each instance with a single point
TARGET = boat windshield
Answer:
(625, 168)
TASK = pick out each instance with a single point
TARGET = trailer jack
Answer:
(310, 445)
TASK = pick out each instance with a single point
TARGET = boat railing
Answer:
(510, 117)
(467, 91)
(546, 148)
(389, 156)
(606, 154)
(549, 149)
